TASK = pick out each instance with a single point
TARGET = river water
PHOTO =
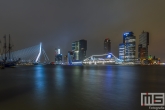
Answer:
(52, 87)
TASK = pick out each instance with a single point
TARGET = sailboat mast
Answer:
(5, 46)
(9, 46)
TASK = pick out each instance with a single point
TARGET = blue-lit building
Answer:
(58, 56)
(127, 50)
(70, 57)
(121, 51)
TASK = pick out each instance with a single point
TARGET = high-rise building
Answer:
(143, 45)
(70, 57)
(121, 51)
(58, 56)
(79, 48)
(127, 50)
(107, 45)
(75, 49)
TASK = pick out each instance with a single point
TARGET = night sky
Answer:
(57, 23)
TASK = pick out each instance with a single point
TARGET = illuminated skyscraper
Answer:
(75, 49)
(58, 56)
(143, 45)
(70, 57)
(107, 45)
(121, 51)
(79, 48)
(127, 50)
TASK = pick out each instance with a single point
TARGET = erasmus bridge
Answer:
(28, 55)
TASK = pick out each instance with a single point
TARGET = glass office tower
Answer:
(79, 48)
(127, 50)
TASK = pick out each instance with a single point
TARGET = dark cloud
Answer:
(57, 23)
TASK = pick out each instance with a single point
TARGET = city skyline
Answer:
(56, 24)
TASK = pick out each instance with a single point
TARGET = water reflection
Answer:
(39, 78)
(59, 79)
(78, 87)
(120, 81)
(77, 74)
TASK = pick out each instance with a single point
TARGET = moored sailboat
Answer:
(6, 60)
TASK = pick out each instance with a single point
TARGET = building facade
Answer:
(58, 56)
(127, 50)
(121, 51)
(79, 48)
(75, 49)
(70, 57)
(107, 45)
(143, 45)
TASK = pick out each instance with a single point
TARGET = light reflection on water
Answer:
(59, 76)
(40, 81)
(82, 87)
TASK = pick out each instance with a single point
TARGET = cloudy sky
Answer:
(57, 23)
